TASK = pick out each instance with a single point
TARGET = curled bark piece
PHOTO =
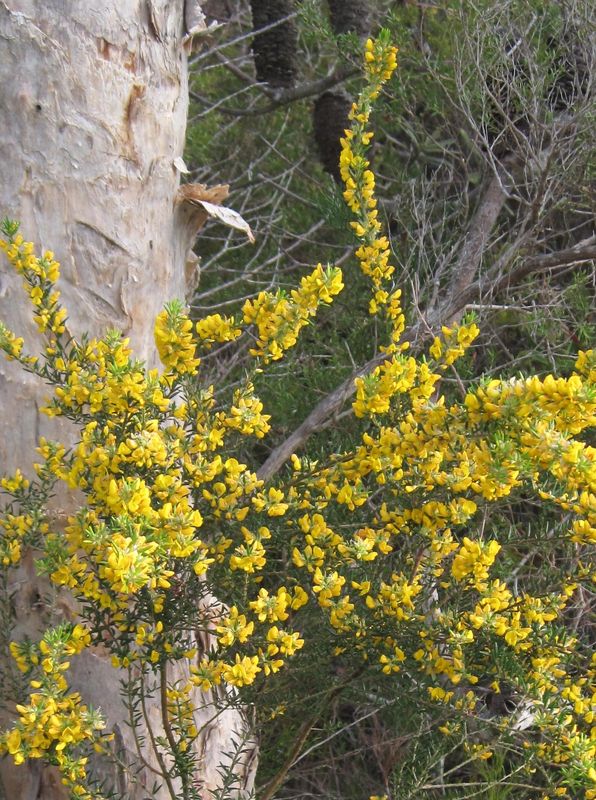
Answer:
(194, 18)
(191, 216)
(188, 203)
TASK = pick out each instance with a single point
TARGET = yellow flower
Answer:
(216, 328)
(474, 559)
(242, 672)
(174, 340)
(271, 608)
(233, 628)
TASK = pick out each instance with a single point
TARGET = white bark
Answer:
(94, 99)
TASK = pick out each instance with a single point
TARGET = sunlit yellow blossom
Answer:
(174, 340)
(242, 672)
(234, 627)
(279, 319)
(474, 559)
(216, 328)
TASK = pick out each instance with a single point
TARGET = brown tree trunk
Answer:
(275, 46)
(349, 16)
(330, 119)
(94, 101)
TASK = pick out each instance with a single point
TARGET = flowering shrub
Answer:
(385, 541)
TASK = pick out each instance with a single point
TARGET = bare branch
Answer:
(283, 97)
(578, 254)
(478, 234)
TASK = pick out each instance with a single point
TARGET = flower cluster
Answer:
(373, 253)
(216, 328)
(54, 725)
(279, 318)
(174, 340)
(39, 278)
(151, 464)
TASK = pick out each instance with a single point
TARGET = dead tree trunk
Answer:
(94, 99)
(349, 16)
(275, 42)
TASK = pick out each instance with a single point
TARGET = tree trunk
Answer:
(275, 47)
(94, 99)
(349, 16)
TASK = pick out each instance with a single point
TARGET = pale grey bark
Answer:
(94, 104)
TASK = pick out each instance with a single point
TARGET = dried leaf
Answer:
(228, 217)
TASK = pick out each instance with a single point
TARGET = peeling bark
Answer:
(95, 104)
